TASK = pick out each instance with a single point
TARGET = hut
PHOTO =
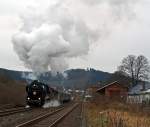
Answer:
(114, 89)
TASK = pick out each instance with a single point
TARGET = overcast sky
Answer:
(124, 31)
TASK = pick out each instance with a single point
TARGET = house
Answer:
(139, 87)
(139, 94)
(114, 89)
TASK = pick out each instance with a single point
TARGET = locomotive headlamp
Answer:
(28, 98)
(39, 98)
(34, 93)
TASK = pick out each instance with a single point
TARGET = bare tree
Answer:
(142, 68)
(136, 67)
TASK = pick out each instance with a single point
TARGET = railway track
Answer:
(6, 106)
(50, 119)
(6, 112)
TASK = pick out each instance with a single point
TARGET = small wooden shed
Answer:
(114, 89)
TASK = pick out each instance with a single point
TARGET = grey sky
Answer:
(121, 34)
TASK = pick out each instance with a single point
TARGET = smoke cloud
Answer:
(48, 39)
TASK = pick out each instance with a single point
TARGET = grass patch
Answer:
(115, 114)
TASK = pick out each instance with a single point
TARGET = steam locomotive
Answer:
(38, 93)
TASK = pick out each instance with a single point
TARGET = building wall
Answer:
(140, 98)
(116, 90)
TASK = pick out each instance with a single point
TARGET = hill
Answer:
(76, 78)
(11, 91)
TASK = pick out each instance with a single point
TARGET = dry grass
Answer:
(11, 92)
(115, 114)
(126, 119)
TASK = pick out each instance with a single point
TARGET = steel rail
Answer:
(13, 111)
(30, 122)
(63, 116)
(6, 106)
(43, 117)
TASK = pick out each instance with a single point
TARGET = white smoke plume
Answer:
(29, 76)
(52, 103)
(47, 39)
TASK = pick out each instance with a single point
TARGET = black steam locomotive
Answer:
(38, 93)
